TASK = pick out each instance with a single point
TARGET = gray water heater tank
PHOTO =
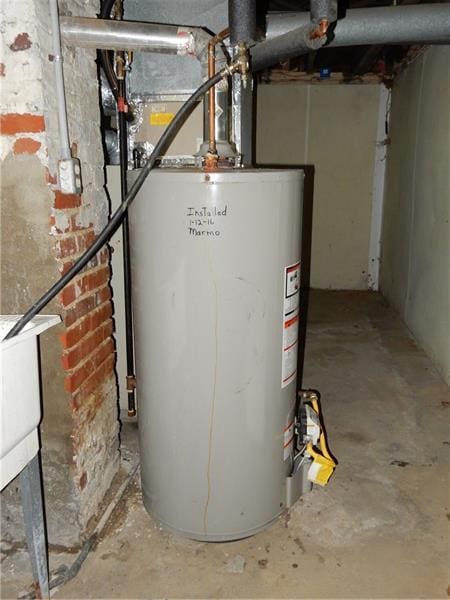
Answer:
(216, 273)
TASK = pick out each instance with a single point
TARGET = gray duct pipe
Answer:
(422, 23)
(131, 35)
(287, 33)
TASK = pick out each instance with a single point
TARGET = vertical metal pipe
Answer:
(242, 20)
(218, 39)
(212, 100)
(35, 529)
(129, 338)
(59, 82)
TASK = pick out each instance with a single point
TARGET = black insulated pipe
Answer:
(242, 21)
(118, 89)
(108, 69)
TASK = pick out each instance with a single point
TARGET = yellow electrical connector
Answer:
(323, 464)
(321, 469)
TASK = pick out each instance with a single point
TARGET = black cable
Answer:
(117, 218)
(105, 61)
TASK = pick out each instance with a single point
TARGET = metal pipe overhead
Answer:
(287, 34)
(128, 35)
(421, 23)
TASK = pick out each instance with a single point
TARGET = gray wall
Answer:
(332, 127)
(415, 239)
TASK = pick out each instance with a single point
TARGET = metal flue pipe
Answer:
(128, 35)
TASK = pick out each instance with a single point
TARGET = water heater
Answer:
(216, 278)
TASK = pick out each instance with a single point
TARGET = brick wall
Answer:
(80, 393)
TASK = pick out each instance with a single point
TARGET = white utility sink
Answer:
(20, 404)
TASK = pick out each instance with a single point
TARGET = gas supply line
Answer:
(211, 157)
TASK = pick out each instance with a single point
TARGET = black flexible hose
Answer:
(108, 69)
(120, 213)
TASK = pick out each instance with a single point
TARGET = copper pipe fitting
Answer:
(321, 30)
(210, 163)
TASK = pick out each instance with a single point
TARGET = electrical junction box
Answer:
(69, 171)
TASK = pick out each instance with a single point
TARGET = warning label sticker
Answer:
(161, 118)
(290, 323)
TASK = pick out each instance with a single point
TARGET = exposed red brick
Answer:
(81, 308)
(68, 295)
(88, 323)
(103, 295)
(12, 123)
(77, 243)
(67, 200)
(93, 280)
(72, 224)
(87, 407)
(71, 358)
(21, 42)
(66, 247)
(26, 145)
(65, 266)
(50, 178)
(73, 381)
(94, 381)
(85, 240)
(101, 258)
(88, 283)
(2, 70)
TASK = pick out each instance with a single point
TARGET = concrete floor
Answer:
(378, 530)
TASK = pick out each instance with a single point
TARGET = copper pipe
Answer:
(212, 101)
(212, 97)
(321, 30)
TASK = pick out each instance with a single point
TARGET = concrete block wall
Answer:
(43, 232)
